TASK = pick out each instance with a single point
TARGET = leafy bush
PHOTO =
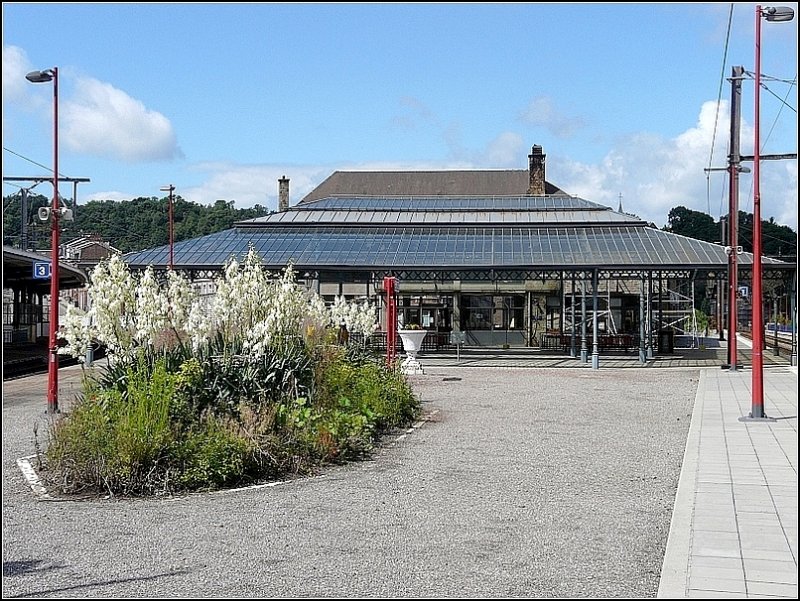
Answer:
(117, 442)
(211, 455)
(367, 388)
(193, 429)
(203, 393)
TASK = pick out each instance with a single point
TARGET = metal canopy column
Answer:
(695, 337)
(660, 303)
(561, 310)
(584, 350)
(572, 352)
(793, 299)
(642, 330)
(650, 353)
(528, 319)
(595, 341)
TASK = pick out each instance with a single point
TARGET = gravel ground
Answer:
(523, 483)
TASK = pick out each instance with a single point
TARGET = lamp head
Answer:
(777, 14)
(168, 188)
(40, 76)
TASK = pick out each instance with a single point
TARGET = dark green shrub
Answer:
(76, 456)
(170, 422)
(117, 442)
(116, 374)
(211, 455)
(344, 434)
(229, 376)
(367, 388)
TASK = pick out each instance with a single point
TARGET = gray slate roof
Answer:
(508, 182)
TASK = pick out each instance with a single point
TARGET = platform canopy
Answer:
(18, 272)
(459, 234)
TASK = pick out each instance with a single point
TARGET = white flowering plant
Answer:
(250, 312)
(203, 392)
(359, 318)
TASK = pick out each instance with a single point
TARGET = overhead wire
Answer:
(716, 118)
(749, 230)
(24, 158)
(791, 82)
(783, 102)
(765, 77)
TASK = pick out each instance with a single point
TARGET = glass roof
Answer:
(381, 217)
(444, 247)
(449, 203)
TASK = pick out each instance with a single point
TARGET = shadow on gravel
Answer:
(18, 568)
(83, 586)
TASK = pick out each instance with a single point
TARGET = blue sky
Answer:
(221, 100)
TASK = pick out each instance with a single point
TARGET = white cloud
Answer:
(102, 121)
(20, 94)
(652, 173)
(655, 174)
(248, 185)
(506, 150)
(98, 120)
(451, 165)
(15, 66)
(413, 114)
(778, 192)
(542, 112)
(786, 195)
(110, 195)
(503, 151)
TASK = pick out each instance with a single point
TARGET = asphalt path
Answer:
(521, 483)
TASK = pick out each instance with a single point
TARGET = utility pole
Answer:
(734, 165)
(720, 295)
(24, 224)
(730, 241)
(731, 224)
(35, 180)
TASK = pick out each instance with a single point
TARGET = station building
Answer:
(501, 257)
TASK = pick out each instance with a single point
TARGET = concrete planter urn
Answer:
(412, 343)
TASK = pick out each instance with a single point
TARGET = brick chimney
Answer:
(283, 194)
(536, 171)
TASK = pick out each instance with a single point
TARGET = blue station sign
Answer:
(41, 270)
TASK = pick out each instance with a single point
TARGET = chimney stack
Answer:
(283, 194)
(536, 171)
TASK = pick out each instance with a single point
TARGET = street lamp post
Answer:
(52, 364)
(778, 14)
(170, 188)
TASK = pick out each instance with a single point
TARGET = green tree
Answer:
(779, 241)
(128, 225)
(693, 224)
(38, 232)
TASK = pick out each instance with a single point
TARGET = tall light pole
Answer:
(170, 188)
(52, 364)
(779, 14)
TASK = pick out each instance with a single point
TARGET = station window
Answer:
(493, 312)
